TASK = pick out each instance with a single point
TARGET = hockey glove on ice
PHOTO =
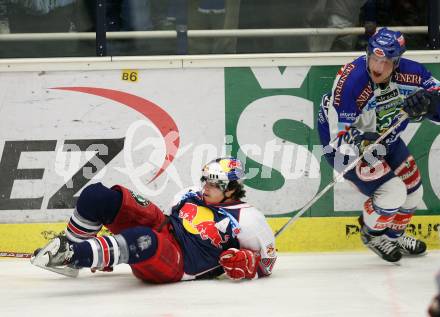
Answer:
(421, 103)
(239, 264)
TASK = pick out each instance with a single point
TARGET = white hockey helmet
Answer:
(222, 171)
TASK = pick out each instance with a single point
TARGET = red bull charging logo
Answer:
(200, 220)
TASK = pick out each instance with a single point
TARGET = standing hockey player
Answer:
(367, 98)
(208, 233)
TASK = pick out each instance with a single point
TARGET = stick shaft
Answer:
(7, 254)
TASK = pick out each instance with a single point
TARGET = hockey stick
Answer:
(6, 254)
(339, 177)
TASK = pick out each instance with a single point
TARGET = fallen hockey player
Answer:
(208, 233)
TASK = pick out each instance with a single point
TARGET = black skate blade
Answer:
(414, 255)
(397, 262)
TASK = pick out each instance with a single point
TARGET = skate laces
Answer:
(407, 242)
(383, 244)
(61, 251)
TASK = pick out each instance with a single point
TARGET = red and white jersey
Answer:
(255, 234)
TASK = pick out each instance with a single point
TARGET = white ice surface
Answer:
(325, 284)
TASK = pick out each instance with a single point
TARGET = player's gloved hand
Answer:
(421, 103)
(353, 135)
(364, 141)
(239, 264)
(370, 149)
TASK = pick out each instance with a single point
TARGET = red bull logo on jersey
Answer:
(188, 212)
(200, 220)
(208, 230)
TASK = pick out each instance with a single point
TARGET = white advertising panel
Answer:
(60, 131)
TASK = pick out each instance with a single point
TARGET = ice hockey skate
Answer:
(410, 246)
(55, 257)
(381, 245)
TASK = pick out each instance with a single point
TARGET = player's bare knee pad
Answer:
(380, 210)
(391, 195)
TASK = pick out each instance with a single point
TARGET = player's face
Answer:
(380, 68)
(212, 194)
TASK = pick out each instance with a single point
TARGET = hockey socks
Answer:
(79, 229)
(132, 246)
(98, 253)
(377, 218)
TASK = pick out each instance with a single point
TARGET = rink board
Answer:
(88, 126)
(305, 235)
(86, 123)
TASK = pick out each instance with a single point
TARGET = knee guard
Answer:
(97, 205)
(165, 266)
(380, 210)
(136, 244)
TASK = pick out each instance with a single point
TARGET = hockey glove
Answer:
(363, 140)
(239, 264)
(421, 103)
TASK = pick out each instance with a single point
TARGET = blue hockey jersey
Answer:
(356, 101)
